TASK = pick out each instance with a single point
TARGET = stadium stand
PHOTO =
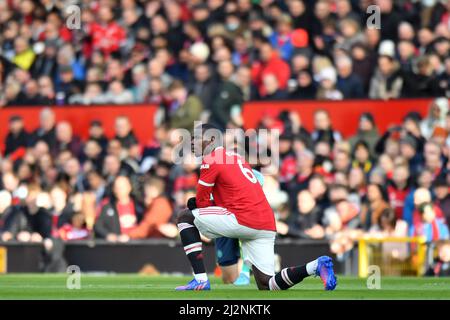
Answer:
(87, 114)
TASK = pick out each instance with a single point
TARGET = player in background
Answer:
(240, 210)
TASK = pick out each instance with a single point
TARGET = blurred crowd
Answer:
(55, 185)
(200, 60)
(222, 52)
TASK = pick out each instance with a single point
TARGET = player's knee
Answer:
(229, 277)
(185, 216)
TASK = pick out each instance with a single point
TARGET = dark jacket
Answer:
(205, 92)
(41, 222)
(108, 220)
(351, 87)
(304, 93)
(369, 137)
(300, 222)
(48, 136)
(14, 142)
(14, 220)
(227, 96)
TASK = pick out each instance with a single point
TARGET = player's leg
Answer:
(289, 277)
(227, 254)
(190, 238)
(213, 222)
(260, 253)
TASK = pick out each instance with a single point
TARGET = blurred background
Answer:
(91, 92)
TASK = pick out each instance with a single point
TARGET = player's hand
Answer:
(191, 204)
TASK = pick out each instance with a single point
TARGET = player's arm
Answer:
(206, 182)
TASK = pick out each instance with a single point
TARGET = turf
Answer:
(132, 286)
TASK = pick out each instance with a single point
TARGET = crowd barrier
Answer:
(166, 256)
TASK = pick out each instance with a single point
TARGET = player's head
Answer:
(206, 138)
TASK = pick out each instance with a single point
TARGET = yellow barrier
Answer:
(395, 256)
(3, 259)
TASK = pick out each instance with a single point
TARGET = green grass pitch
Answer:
(132, 286)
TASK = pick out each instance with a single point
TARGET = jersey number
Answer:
(247, 172)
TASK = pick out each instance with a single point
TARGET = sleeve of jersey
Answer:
(206, 182)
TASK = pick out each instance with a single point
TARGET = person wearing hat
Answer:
(367, 132)
(327, 85)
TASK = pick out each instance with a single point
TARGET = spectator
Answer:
(436, 117)
(272, 89)
(389, 226)
(281, 40)
(327, 85)
(399, 188)
(408, 150)
(46, 130)
(185, 109)
(17, 139)
(157, 215)
(422, 83)
(441, 190)
(367, 132)
(24, 55)
(361, 157)
(68, 85)
(306, 222)
(323, 130)
(93, 156)
(373, 208)
(269, 63)
(387, 82)
(433, 158)
(117, 94)
(441, 266)
(141, 83)
(107, 35)
(120, 215)
(124, 131)
(204, 85)
(305, 87)
(347, 82)
(428, 221)
(96, 133)
(7, 216)
(228, 96)
(65, 140)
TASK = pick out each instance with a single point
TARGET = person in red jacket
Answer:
(270, 63)
(107, 35)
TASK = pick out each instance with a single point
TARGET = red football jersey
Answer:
(234, 187)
